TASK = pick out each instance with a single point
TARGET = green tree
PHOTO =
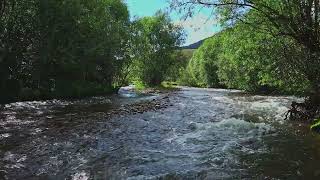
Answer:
(17, 36)
(243, 58)
(61, 48)
(158, 38)
(295, 20)
(82, 42)
(203, 65)
(252, 60)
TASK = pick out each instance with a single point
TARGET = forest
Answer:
(78, 48)
(75, 48)
(111, 89)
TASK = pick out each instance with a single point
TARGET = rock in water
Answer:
(192, 126)
(127, 91)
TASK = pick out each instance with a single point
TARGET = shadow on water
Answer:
(291, 156)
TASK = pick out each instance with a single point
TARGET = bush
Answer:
(81, 89)
(202, 68)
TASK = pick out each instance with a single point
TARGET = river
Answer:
(200, 134)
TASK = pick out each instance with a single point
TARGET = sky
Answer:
(199, 27)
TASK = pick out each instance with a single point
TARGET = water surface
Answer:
(203, 134)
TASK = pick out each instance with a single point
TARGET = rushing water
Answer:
(203, 134)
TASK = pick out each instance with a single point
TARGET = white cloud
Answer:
(199, 27)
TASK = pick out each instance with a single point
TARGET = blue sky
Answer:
(198, 27)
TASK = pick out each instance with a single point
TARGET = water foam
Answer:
(224, 137)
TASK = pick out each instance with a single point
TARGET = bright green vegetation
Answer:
(316, 126)
(265, 46)
(155, 46)
(242, 58)
(76, 48)
(187, 53)
(202, 68)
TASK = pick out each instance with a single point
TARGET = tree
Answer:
(242, 58)
(251, 60)
(61, 48)
(158, 39)
(82, 42)
(295, 20)
(17, 34)
(203, 64)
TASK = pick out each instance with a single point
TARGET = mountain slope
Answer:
(195, 45)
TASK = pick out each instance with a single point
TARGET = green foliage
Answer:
(83, 40)
(243, 58)
(202, 67)
(277, 43)
(315, 126)
(75, 48)
(17, 32)
(178, 66)
(154, 51)
(79, 89)
(61, 48)
(139, 85)
(255, 61)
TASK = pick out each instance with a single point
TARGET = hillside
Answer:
(195, 45)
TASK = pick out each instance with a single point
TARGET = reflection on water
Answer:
(205, 134)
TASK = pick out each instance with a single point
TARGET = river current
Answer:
(202, 134)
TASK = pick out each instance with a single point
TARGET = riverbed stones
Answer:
(141, 107)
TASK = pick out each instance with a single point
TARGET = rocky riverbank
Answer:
(140, 107)
(160, 100)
